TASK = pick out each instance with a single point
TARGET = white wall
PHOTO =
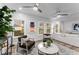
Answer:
(36, 33)
(27, 19)
(68, 26)
(68, 22)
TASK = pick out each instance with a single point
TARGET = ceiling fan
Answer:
(35, 7)
(59, 13)
(62, 13)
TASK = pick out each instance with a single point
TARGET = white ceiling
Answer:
(49, 9)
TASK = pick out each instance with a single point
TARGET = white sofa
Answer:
(71, 39)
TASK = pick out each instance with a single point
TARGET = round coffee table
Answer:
(52, 50)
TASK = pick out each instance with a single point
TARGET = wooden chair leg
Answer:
(57, 53)
(17, 47)
(27, 51)
(1, 50)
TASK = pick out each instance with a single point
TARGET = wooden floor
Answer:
(60, 45)
(67, 45)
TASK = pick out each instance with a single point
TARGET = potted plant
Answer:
(5, 21)
(49, 41)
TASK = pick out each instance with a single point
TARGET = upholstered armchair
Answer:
(25, 43)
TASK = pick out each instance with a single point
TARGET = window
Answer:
(44, 28)
(19, 27)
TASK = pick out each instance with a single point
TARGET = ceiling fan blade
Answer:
(40, 10)
(34, 7)
(63, 14)
(37, 4)
(28, 6)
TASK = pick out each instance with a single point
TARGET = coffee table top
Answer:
(50, 50)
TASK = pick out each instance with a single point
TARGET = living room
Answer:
(52, 28)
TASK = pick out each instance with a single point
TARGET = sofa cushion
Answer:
(29, 44)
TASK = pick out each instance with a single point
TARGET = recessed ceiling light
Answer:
(20, 8)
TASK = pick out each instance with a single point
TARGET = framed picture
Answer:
(76, 27)
(32, 27)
